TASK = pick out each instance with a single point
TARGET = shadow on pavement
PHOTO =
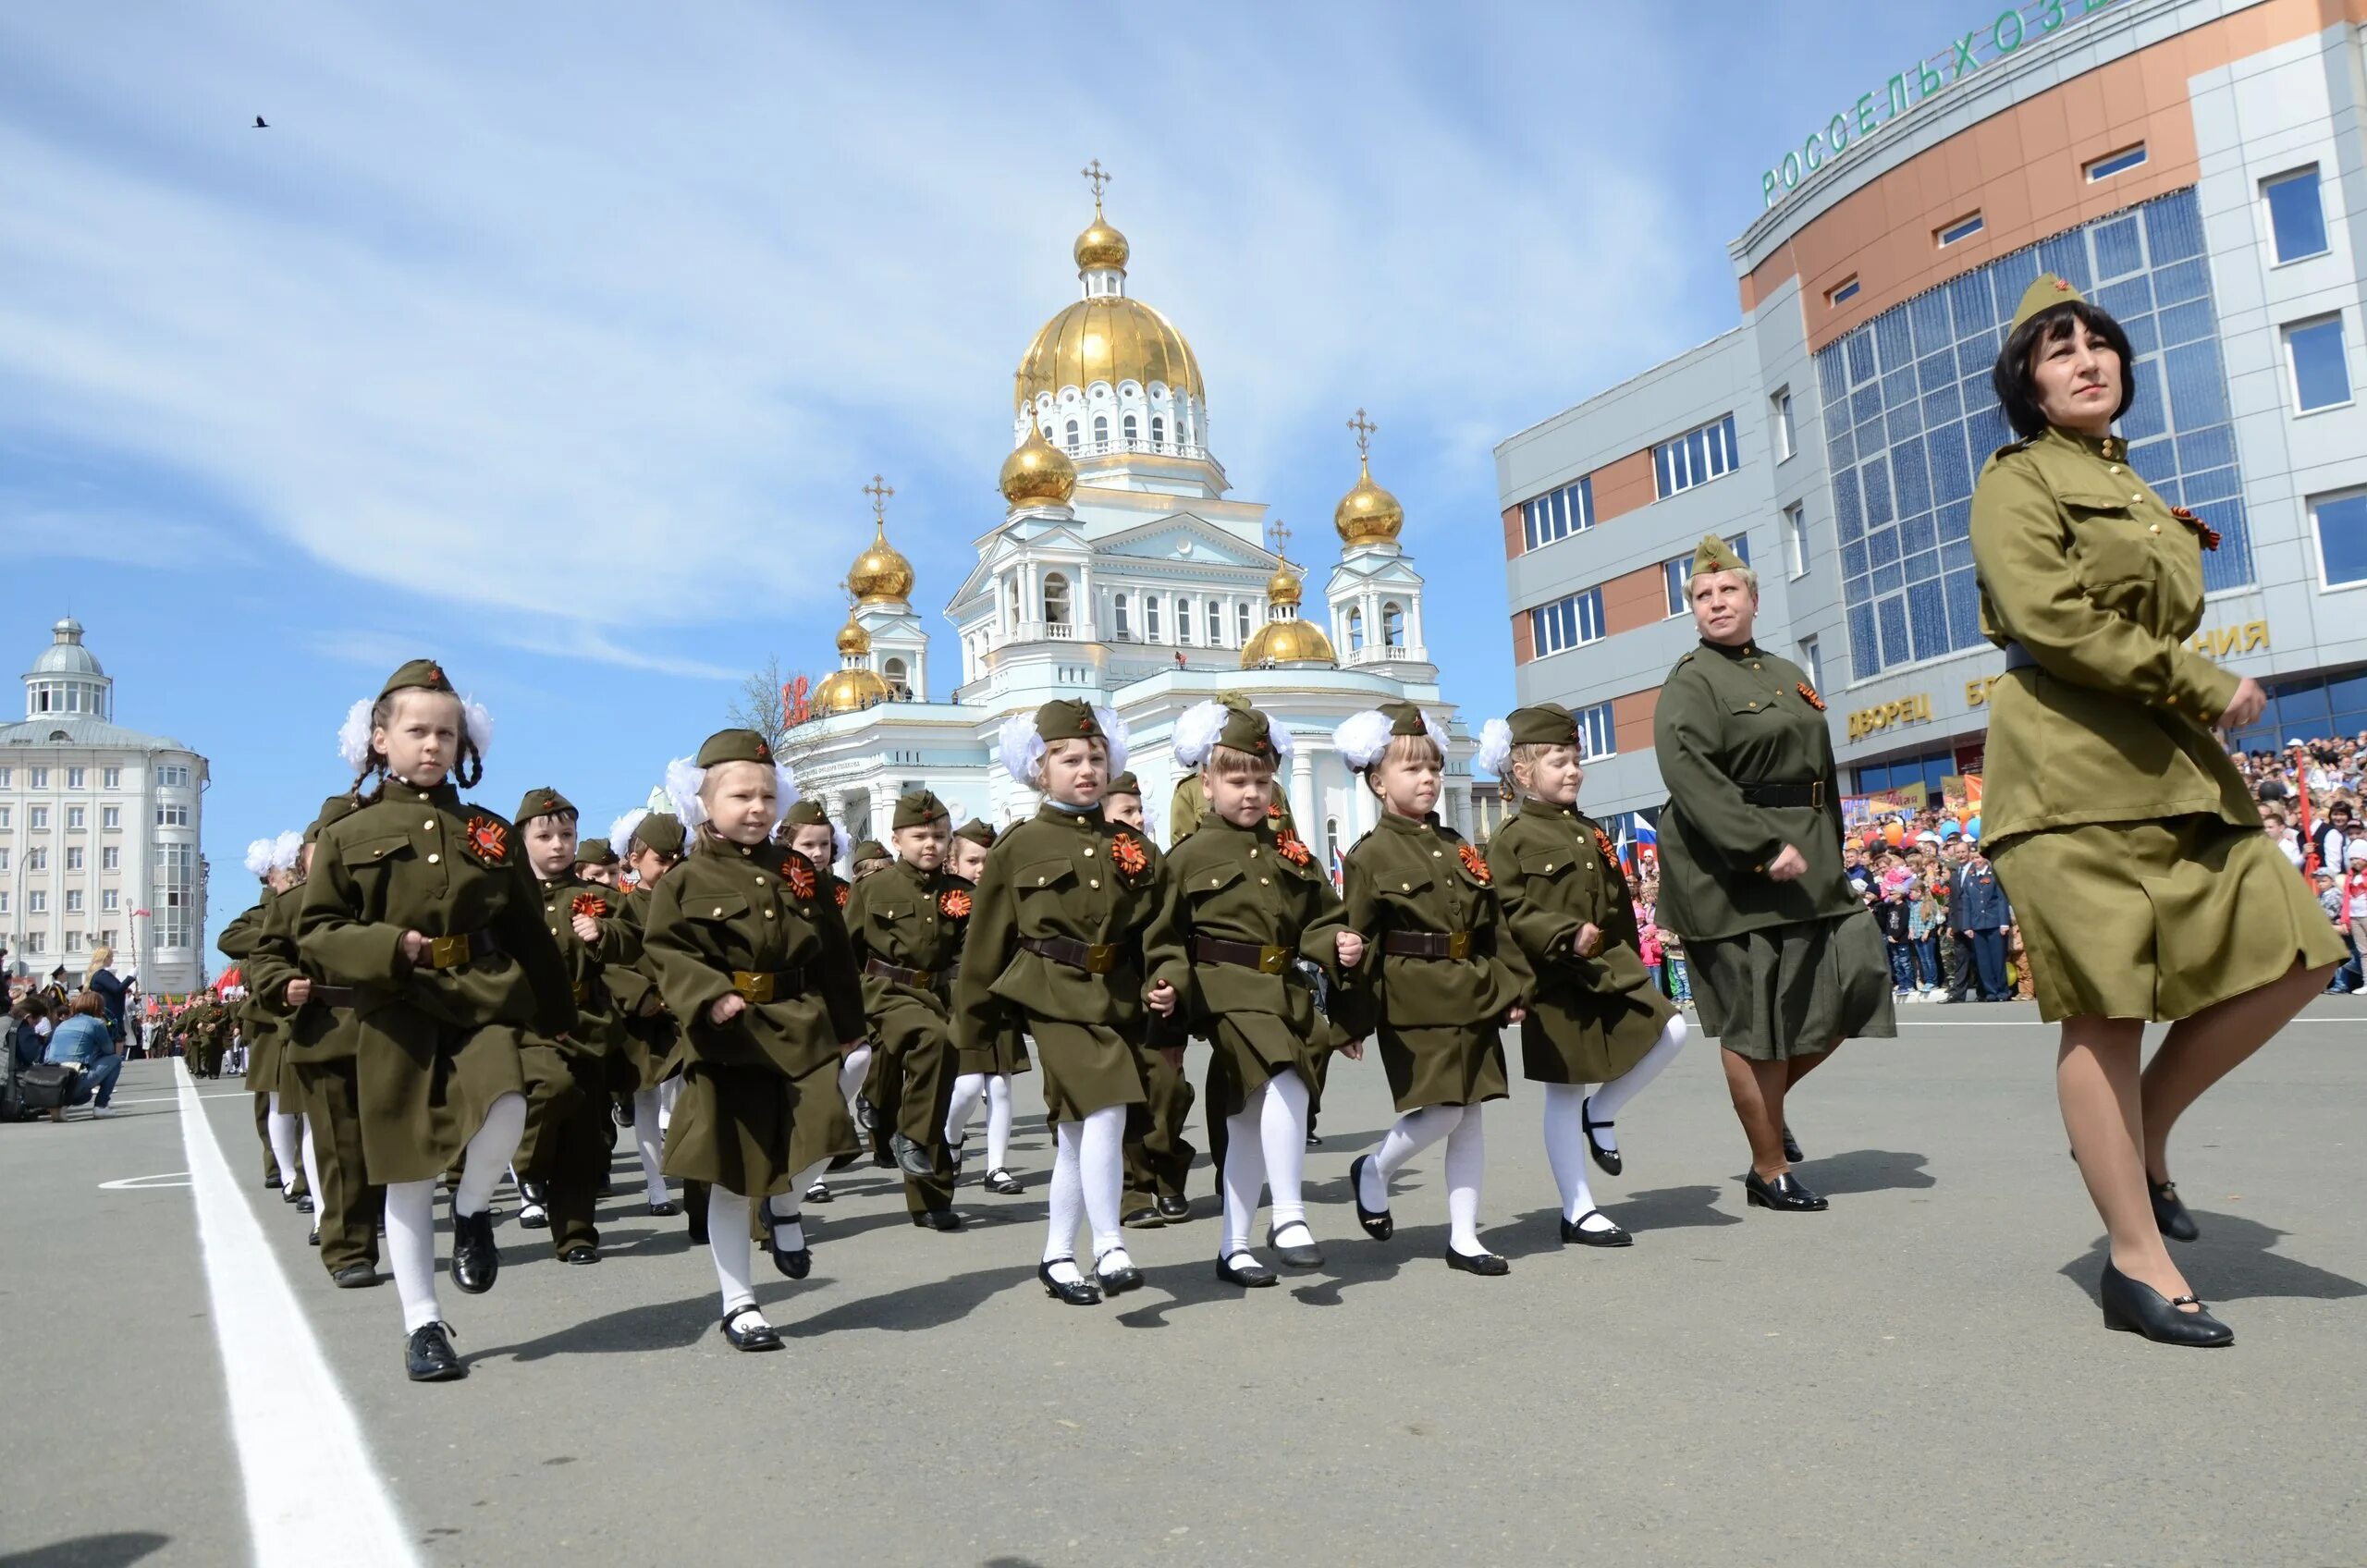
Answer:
(928, 1305)
(1669, 1208)
(1867, 1170)
(2232, 1262)
(88, 1551)
(666, 1325)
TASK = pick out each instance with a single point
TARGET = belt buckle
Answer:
(756, 987)
(1815, 794)
(447, 952)
(1273, 960)
(1458, 944)
(923, 979)
(1100, 958)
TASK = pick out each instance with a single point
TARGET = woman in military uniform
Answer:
(1244, 904)
(417, 903)
(751, 956)
(1786, 961)
(1053, 949)
(984, 1075)
(2125, 837)
(1441, 978)
(648, 844)
(1595, 1016)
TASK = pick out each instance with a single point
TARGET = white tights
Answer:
(1466, 1163)
(283, 1128)
(727, 1234)
(1565, 1135)
(1088, 1175)
(994, 1088)
(410, 1219)
(649, 1137)
(1612, 1097)
(852, 1070)
(1265, 1143)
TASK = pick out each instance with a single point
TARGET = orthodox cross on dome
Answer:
(1098, 177)
(1364, 429)
(1278, 537)
(878, 491)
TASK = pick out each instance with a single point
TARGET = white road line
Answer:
(312, 1494)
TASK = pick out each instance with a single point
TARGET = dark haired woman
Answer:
(2124, 836)
(416, 902)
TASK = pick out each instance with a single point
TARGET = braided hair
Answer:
(370, 783)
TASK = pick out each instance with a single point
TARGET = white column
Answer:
(1306, 805)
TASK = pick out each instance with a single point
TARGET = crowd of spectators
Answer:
(2308, 796)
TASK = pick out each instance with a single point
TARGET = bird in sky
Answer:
(261, 123)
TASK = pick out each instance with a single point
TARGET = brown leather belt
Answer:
(1809, 794)
(1436, 944)
(333, 996)
(768, 984)
(1094, 958)
(458, 953)
(920, 979)
(1247, 955)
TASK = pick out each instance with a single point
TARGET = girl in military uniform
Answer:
(2128, 842)
(1243, 905)
(1595, 1016)
(1053, 949)
(648, 844)
(416, 902)
(751, 956)
(264, 1022)
(807, 829)
(1441, 977)
(983, 1076)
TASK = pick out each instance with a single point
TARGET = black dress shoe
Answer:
(1146, 1218)
(313, 1239)
(882, 1160)
(665, 1211)
(289, 1195)
(796, 1263)
(1313, 1140)
(911, 1159)
(306, 1205)
(818, 1193)
(2170, 1216)
(580, 1255)
(621, 1109)
(534, 1205)
(1484, 1263)
(1174, 1209)
(867, 1115)
(1792, 1145)
(476, 1261)
(757, 1334)
(1001, 1180)
(1607, 1158)
(1119, 1280)
(938, 1219)
(428, 1357)
(1246, 1271)
(1075, 1293)
(1375, 1221)
(1307, 1255)
(2137, 1309)
(1576, 1234)
(842, 1161)
(1784, 1193)
(354, 1277)
(272, 1181)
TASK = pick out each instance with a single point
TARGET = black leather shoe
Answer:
(2137, 1309)
(1607, 1158)
(1576, 1234)
(1792, 1145)
(1119, 1280)
(1001, 1180)
(881, 1160)
(1174, 1209)
(796, 1263)
(306, 1205)
(1246, 1271)
(1484, 1263)
(911, 1159)
(1146, 1218)
(476, 1261)
(354, 1277)
(753, 1332)
(580, 1255)
(1075, 1293)
(1375, 1221)
(867, 1115)
(818, 1193)
(665, 1211)
(272, 1181)
(938, 1219)
(1313, 1141)
(621, 1109)
(428, 1357)
(1307, 1255)
(313, 1239)
(1784, 1193)
(534, 1205)
(2170, 1216)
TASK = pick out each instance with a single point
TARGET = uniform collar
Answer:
(1531, 807)
(1749, 650)
(1051, 811)
(2111, 448)
(1396, 824)
(914, 874)
(445, 794)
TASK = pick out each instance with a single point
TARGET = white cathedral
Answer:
(1120, 574)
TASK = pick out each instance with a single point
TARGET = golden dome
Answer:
(1112, 338)
(848, 691)
(1100, 245)
(1367, 514)
(1289, 640)
(853, 641)
(1283, 588)
(881, 575)
(1037, 470)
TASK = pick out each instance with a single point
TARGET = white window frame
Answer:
(1592, 721)
(1551, 631)
(2310, 171)
(2293, 365)
(1558, 513)
(110, 816)
(109, 778)
(110, 859)
(37, 818)
(1673, 462)
(76, 816)
(1796, 539)
(2318, 542)
(1969, 227)
(2101, 169)
(1788, 435)
(1812, 661)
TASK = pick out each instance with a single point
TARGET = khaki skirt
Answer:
(424, 1088)
(1249, 1049)
(1006, 1055)
(752, 1130)
(2158, 920)
(1794, 990)
(1596, 1025)
(1087, 1066)
(1454, 1065)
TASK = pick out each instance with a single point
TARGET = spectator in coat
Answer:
(1981, 919)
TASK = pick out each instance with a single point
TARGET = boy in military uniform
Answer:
(648, 844)
(1158, 1158)
(983, 1076)
(1243, 905)
(905, 927)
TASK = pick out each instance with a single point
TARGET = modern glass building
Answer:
(2197, 168)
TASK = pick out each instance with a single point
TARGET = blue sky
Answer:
(558, 340)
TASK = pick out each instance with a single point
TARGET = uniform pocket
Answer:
(1044, 876)
(373, 852)
(715, 906)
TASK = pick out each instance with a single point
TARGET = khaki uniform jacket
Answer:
(1253, 886)
(1069, 875)
(1189, 807)
(913, 919)
(1419, 876)
(317, 1032)
(1729, 718)
(599, 1025)
(1557, 872)
(2101, 583)
(238, 944)
(730, 908)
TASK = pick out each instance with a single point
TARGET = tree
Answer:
(760, 706)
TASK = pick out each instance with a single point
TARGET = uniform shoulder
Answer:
(2015, 460)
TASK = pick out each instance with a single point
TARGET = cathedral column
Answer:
(1307, 805)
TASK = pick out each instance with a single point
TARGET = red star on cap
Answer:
(2063, 286)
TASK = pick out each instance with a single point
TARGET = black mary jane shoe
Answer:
(1146, 1218)
(429, 1357)
(580, 1255)
(1574, 1232)
(1244, 1270)
(1313, 1140)
(1000, 1180)
(2170, 1216)
(1485, 1263)
(306, 1205)
(1375, 1221)
(313, 1239)
(797, 1262)
(665, 1211)
(938, 1219)
(1174, 1208)
(2136, 1307)
(1607, 1158)
(818, 1193)
(272, 1182)
(354, 1277)
(476, 1262)
(757, 1335)
(911, 1159)
(1792, 1145)
(289, 1195)
(1784, 1193)
(534, 1205)
(1074, 1293)
(1307, 1255)
(1117, 1281)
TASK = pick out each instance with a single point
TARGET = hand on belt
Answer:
(453, 952)
(768, 984)
(331, 996)
(1249, 955)
(1429, 944)
(1807, 794)
(1094, 958)
(922, 979)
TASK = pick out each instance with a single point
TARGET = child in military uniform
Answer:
(751, 956)
(1441, 984)
(984, 1075)
(1244, 904)
(263, 1021)
(1158, 1158)
(416, 902)
(807, 829)
(1595, 1016)
(1052, 948)
(648, 844)
(906, 926)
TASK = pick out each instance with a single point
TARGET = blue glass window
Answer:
(1963, 228)
(1559, 514)
(2342, 537)
(2117, 252)
(1598, 735)
(2117, 162)
(1844, 292)
(2320, 374)
(1695, 457)
(2296, 219)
